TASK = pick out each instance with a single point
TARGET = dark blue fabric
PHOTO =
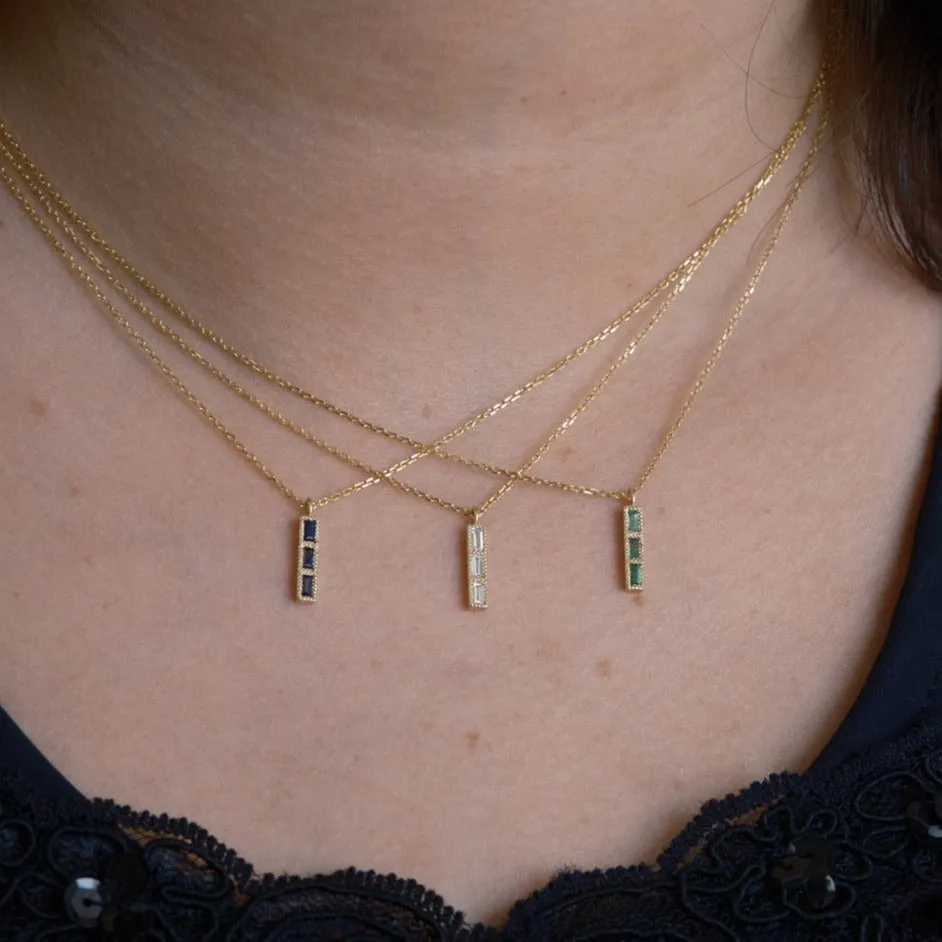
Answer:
(904, 682)
(855, 856)
(18, 751)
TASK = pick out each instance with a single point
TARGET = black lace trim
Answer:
(855, 856)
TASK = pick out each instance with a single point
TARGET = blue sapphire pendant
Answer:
(307, 556)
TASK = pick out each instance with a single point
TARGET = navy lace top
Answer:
(850, 850)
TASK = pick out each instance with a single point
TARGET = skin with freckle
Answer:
(411, 209)
(38, 407)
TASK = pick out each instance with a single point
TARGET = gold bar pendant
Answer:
(634, 548)
(307, 559)
(477, 566)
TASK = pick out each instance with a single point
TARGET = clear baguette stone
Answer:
(477, 566)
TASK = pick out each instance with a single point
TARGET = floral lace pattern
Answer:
(855, 855)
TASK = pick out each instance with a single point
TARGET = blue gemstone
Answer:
(308, 560)
(307, 586)
(310, 531)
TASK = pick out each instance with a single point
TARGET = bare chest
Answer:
(151, 651)
(569, 725)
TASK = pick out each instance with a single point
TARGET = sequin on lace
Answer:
(852, 857)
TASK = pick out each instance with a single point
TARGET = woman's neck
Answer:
(343, 174)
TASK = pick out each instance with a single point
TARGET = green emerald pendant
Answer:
(633, 523)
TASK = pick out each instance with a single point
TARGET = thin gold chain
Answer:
(677, 278)
(783, 217)
(309, 504)
(629, 495)
(191, 397)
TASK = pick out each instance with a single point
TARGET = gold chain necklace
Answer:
(54, 203)
(308, 535)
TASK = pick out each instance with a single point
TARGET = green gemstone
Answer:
(636, 576)
(634, 520)
(634, 547)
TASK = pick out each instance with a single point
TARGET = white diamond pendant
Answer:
(477, 566)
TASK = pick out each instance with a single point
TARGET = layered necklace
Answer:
(110, 276)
